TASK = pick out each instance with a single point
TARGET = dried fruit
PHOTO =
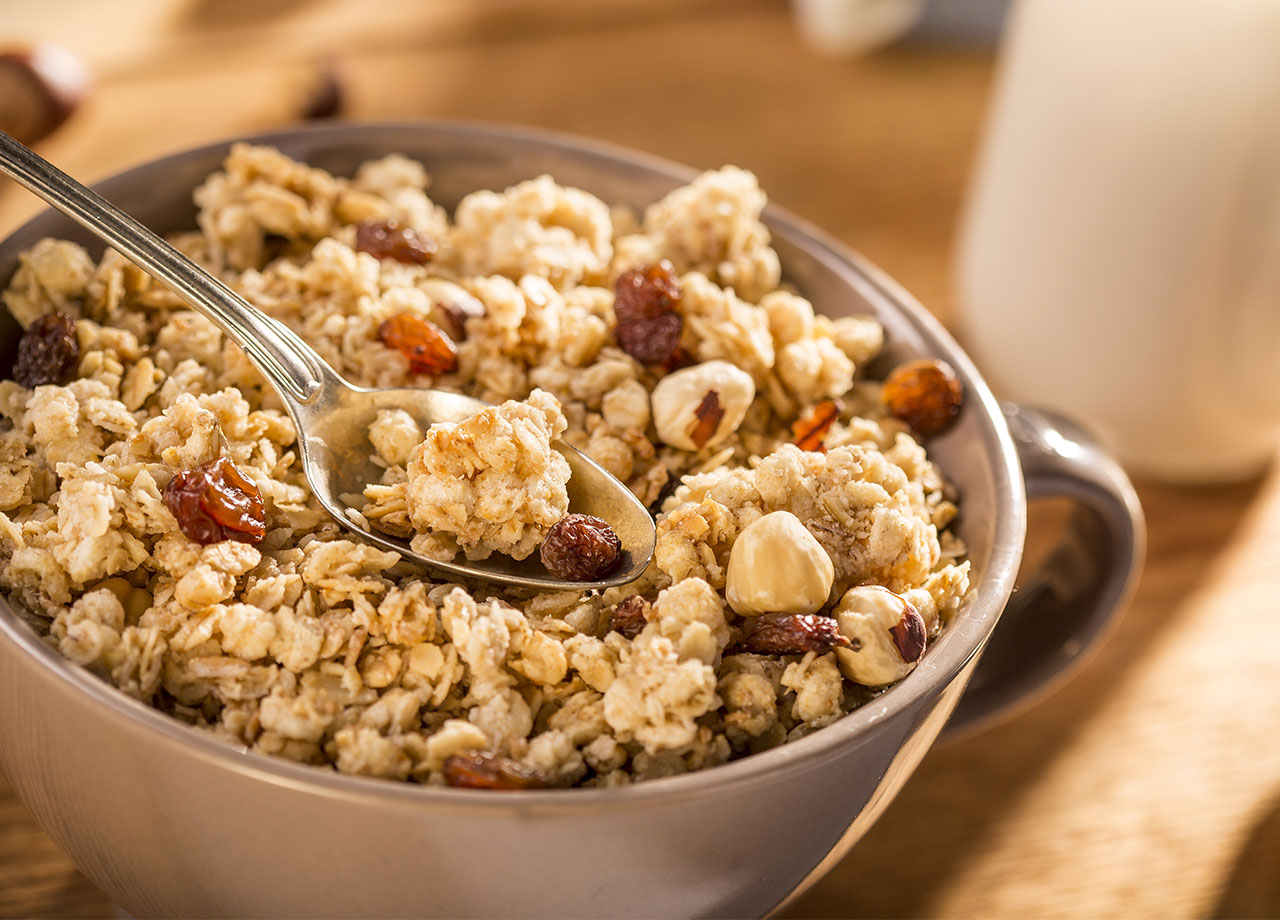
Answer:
(580, 547)
(794, 634)
(48, 351)
(385, 239)
(926, 394)
(215, 501)
(647, 305)
(810, 430)
(488, 771)
(424, 343)
(706, 419)
(39, 89)
(629, 616)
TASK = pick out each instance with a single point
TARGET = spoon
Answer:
(331, 416)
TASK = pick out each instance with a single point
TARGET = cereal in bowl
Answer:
(155, 519)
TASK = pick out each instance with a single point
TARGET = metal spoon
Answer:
(332, 417)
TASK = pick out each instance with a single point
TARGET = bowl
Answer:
(169, 821)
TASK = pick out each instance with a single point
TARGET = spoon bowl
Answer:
(333, 435)
(331, 416)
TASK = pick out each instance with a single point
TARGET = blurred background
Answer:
(1147, 786)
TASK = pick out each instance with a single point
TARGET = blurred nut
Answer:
(39, 89)
(886, 635)
(683, 409)
(777, 566)
(326, 97)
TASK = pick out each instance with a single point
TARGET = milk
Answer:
(1120, 256)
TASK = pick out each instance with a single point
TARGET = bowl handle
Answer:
(1063, 608)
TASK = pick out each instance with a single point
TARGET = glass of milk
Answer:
(1120, 255)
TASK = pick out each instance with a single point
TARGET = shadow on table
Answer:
(962, 791)
(1253, 889)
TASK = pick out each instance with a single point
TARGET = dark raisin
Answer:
(215, 501)
(629, 616)
(48, 351)
(793, 634)
(424, 343)
(474, 770)
(926, 394)
(647, 305)
(811, 430)
(668, 489)
(706, 419)
(386, 239)
(580, 547)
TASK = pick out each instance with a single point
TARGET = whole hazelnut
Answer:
(777, 566)
(886, 635)
(700, 406)
(39, 89)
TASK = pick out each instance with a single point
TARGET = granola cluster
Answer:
(155, 521)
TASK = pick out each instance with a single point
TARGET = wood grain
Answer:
(1149, 786)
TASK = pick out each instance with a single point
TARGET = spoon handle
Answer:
(285, 359)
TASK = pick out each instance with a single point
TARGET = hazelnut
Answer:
(39, 89)
(700, 406)
(886, 635)
(777, 566)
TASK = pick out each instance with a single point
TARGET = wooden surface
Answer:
(1149, 786)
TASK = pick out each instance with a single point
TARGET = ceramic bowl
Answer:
(168, 821)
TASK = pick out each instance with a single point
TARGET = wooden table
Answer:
(1150, 785)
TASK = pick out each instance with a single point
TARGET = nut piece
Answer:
(886, 635)
(681, 407)
(810, 429)
(777, 566)
(926, 394)
(579, 547)
(39, 89)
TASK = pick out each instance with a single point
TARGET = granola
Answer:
(286, 637)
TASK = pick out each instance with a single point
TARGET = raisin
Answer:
(386, 239)
(706, 419)
(580, 547)
(794, 634)
(647, 305)
(474, 770)
(926, 394)
(424, 343)
(48, 351)
(629, 616)
(811, 430)
(215, 501)
(668, 489)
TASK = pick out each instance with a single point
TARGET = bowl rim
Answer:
(936, 671)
